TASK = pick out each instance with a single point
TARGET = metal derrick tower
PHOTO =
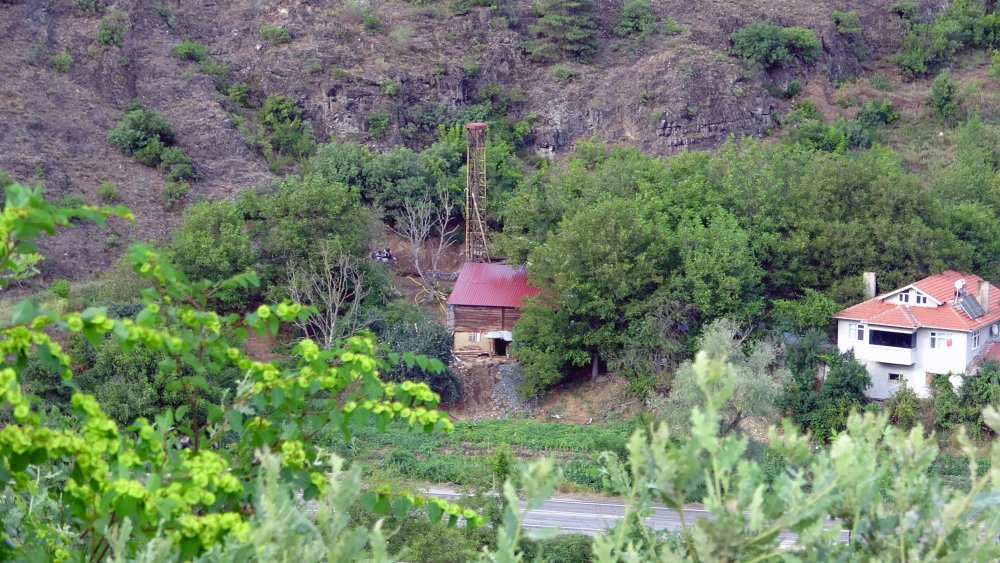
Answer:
(476, 249)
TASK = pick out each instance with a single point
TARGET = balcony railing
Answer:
(892, 355)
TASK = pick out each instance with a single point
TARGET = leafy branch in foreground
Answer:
(185, 475)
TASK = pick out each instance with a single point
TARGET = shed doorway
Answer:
(501, 341)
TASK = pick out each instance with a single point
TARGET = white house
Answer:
(946, 323)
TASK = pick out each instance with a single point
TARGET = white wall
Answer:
(928, 360)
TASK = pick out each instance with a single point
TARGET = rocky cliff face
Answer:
(420, 64)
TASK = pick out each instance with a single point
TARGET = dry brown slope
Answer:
(664, 95)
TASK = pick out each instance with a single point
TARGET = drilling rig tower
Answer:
(476, 249)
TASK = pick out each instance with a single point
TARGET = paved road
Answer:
(577, 515)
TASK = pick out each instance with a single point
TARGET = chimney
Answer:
(983, 295)
(869, 278)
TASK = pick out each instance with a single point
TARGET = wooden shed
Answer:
(485, 304)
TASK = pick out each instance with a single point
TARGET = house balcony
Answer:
(892, 355)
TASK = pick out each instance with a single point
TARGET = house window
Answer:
(904, 297)
(975, 339)
(473, 337)
(895, 377)
(856, 331)
(921, 299)
(940, 340)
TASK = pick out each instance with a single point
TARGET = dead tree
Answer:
(336, 285)
(420, 221)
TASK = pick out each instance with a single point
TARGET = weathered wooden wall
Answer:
(485, 319)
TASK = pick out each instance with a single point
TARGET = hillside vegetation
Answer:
(204, 360)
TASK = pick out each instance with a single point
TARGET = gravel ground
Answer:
(505, 391)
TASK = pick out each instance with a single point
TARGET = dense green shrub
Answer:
(90, 7)
(563, 28)
(212, 244)
(812, 311)
(62, 61)
(929, 46)
(286, 133)
(943, 97)
(566, 548)
(60, 288)
(378, 124)
(772, 46)
(177, 164)
(881, 82)
(108, 192)
(114, 27)
(173, 193)
(429, 338)
(140, 127)
(371, 22)
(847, 23)
(637, 19)
(290, 224)
(904, 408)
(274, 34)
(906, 9)
(825, 412)
(564, 73)
(876, 114)
(190, 50)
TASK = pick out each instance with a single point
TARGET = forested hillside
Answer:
(230, 232)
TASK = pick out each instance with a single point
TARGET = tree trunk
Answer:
(595, 365)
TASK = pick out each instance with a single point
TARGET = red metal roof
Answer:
(491, 285)
(948, 315)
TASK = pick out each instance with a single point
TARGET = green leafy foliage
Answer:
(756, 379)
(847, 23)
(60, 288)
(173, 193)
(286, 133)
(290, 224)
(177, 164)
(429, 338)
(115, 25)
(108, 192)
(812, 311)
(637, 19)
(562, 28)
(212, 244)
(138, 129)
(825, 412)
(163, 480)
(274, 34)
(944, 98)
(61, 61)
(89, 7)
(772, 46)
(564, 73)
(928, 46)
(378, 124)
(190, 50)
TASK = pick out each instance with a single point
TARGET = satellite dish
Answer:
(995, 329)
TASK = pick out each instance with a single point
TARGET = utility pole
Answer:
(476, 249)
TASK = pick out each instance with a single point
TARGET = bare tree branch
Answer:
(421, 219)
(336, 286)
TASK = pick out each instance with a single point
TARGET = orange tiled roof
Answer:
(946, 316)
